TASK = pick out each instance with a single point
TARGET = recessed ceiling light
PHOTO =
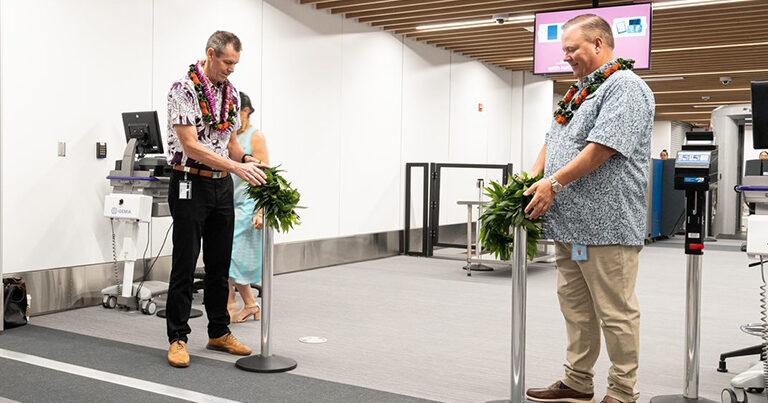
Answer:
(732, 45)
(529, 28)
(705, 97)
(668, 5)
(665, 79)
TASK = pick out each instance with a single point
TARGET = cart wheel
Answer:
(111, 302)
(151, 308)
(104, 301)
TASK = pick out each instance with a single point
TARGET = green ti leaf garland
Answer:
(571, 101)
(278, 200)
(505, 210)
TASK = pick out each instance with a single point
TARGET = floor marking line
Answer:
(103, 376)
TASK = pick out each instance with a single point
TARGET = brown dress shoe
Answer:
(177, 354)
(558, 392)
(229, 344)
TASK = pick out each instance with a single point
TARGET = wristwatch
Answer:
(556, 186)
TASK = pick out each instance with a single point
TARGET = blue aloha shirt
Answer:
(607, 206)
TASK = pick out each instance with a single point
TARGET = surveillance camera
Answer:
(500, 18)
(725, 80)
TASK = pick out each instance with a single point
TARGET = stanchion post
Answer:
(519, 292)
(266, 362)
(694, 238)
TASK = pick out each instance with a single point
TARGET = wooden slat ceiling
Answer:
(699, 43)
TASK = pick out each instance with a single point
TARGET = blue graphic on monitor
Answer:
(552, 32)
(635, 25)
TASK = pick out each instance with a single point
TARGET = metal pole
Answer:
(519, 274)
(692, 327)
(266, 362)
(519, 277)
(267, 243)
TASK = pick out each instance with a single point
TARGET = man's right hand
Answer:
(250, 173)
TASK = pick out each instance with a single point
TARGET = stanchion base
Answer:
(478, 267)
(193, 313)
(271, 364)
(679, 399)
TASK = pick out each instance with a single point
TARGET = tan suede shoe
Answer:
(177, 354)
(229, 344)
(610, 399)
(558, 392)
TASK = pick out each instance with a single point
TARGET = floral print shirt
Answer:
(184, 109)
(608, 206)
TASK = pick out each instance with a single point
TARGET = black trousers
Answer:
(209, 215)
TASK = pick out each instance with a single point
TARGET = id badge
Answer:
(579, 253)
(185, 190)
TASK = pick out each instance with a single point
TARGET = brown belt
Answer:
(201, 172)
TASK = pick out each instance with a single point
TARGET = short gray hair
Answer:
(220, 39)
(592, 26)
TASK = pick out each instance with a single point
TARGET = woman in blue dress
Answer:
(245, 268)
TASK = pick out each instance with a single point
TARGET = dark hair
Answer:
(220, 39)
(245, 102)
(592, 26)
(664, 150)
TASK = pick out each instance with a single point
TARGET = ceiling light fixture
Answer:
(676, 78)
(702, 104)
(682, 113)
(704, 90)
(519, 59)
(476, 23)
(732, 45)
(669, 5)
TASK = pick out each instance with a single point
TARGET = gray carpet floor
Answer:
(211, 377)
(420, 327)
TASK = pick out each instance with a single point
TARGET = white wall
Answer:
(538, 107)
(661, 138)
(343, 105)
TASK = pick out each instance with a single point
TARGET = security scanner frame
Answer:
(695, 173)
(431, 204)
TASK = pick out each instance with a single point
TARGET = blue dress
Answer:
(245, 267)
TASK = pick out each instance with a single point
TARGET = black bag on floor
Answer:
(15, 295)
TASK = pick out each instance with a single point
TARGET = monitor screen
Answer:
(145, 128)
(631, 33)
(760, 114)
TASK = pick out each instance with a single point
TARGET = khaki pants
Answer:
(600, 292)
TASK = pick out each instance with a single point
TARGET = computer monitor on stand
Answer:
(145, 128)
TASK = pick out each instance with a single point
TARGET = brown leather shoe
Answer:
(177, 354)
(229, 344)
(558, 392)
(610, 399)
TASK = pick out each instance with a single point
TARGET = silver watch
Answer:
(556, 186)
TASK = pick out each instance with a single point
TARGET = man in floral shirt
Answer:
(596, 161)
(203, 118)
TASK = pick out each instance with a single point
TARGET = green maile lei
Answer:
(575, 97)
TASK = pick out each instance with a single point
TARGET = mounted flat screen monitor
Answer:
(631, 33)
(760, 114)
(145, 128)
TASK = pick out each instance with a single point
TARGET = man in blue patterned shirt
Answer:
(592, 198)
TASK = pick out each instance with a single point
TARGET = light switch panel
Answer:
(62, 149)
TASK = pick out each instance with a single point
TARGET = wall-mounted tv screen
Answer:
(631, 33)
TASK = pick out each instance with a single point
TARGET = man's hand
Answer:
(543, 195)
(250, 173)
